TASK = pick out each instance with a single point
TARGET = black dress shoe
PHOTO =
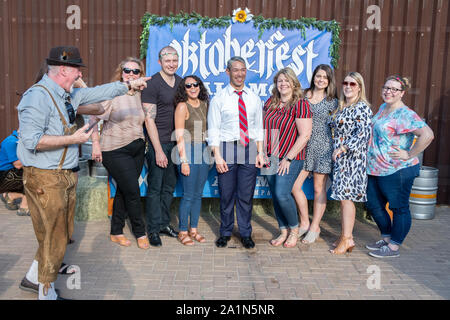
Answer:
(155, 240)
(222, 241)
(169, 231)
(247, 242)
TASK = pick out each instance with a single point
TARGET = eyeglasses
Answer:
(189, 85)
(351, 84)
(70, 110)
(135, 71)
(393, 90)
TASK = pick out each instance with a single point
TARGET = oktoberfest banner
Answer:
(205, 51)
(204, 46)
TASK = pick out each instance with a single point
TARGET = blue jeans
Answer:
(283, 201)
(191, 202)
(395, 189)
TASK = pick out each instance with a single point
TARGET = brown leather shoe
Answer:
(143, 243)
(120, 239)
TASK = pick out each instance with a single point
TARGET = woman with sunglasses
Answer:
(350, 125)
(323, 101)
(191, 101)
(393, 165)
(121, 149)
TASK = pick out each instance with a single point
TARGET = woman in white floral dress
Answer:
(351, 129)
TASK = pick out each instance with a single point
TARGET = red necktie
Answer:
(243, 125)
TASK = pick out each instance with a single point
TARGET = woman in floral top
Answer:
(393, 165)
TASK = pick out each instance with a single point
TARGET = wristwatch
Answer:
(288, 160)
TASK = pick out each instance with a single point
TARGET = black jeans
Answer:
(125, 166)
(161, 184)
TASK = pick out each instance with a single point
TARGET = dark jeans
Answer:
(161, 184)
(283, 201)
(237, 186)
(125, 166)
(395, 189)
(191, 202)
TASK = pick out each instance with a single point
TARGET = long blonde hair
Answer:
(297, 92)
(361, 94)
(117, 76)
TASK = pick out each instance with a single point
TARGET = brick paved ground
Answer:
(203, 271)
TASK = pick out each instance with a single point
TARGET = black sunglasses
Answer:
(70, 110)
(189, 85)
(135, 71)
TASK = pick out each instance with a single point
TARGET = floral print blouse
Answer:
(389, 131)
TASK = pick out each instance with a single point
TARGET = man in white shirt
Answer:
(235, 133)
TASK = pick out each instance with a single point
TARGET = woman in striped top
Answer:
(287, 126)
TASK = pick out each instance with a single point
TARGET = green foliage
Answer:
(259, 22)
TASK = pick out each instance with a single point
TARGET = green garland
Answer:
(259, 22)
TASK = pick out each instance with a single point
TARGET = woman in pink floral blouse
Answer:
(392, 165)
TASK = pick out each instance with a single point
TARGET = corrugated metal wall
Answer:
(413, 41)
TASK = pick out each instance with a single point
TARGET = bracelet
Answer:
(184, 160)
(288, 160)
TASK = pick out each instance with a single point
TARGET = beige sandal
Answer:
(184, 238)
(120, 239)
(279, 240)
(197, 237)
(143, 243)
(291, 241)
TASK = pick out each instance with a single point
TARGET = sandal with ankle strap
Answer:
(197, 237)
(185, 239)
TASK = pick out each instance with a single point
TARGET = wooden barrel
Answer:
(422, 200)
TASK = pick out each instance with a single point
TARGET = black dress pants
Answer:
(125, 166)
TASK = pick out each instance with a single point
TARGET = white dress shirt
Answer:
(223, 116)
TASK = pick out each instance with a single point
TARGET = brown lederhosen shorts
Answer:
(51, 196)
